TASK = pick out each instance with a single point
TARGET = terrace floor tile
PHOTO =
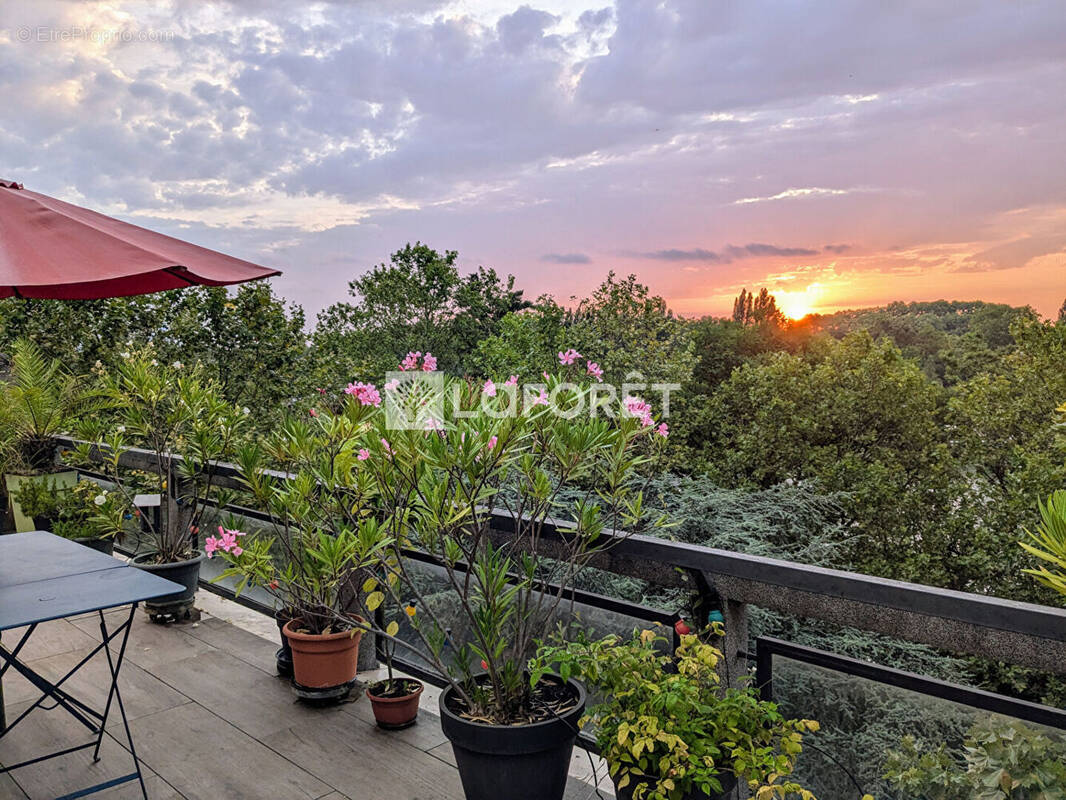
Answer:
(205, 758)
(211, 721)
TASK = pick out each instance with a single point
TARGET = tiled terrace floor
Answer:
(212, 721)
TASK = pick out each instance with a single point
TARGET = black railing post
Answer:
(764, 670)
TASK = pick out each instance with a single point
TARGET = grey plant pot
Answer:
(187, 573)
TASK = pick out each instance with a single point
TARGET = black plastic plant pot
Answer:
(43, 523)
(283, 656)
(187, 573)
(727, 779)
(39, 453)
(102, 544)
(498, 761)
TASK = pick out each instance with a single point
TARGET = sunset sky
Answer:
(840, 153)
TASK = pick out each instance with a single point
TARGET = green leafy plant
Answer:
(665, 724)
(162, 411)
(320, 532)
(438, 490)
(41, 400)
(440, 486)
(73, 512)
(39, 498)
(306, 571)
(1049, 543)
(999, 760)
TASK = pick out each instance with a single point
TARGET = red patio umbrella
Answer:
(51, 249)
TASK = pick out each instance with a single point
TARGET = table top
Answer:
(45, 577)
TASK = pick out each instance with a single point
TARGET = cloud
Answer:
(524, 28)
(685, 56)
(792, 194)
(728, 254)
(477, 125)
(696, 254)
(1013, 254)
(566, 258)
(837, 248)
(756, 249)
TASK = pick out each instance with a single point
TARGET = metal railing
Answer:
(1020, 633)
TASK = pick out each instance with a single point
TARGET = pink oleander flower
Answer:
(386, 445)
(321, 391)
(541, 399)
(391, 385)
(639, 409)
(492, 443)
(512, 381)
(366, 393)
(568, 357)
(432, 424)
(663, 430)
(594, 369)
(312, 412)
(429, 363)
(225, 541)
(364, 454)
(410, 361)
(489, 388)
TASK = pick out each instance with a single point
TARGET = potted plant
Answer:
(394, 700)
(41, 400)
(493, 460)
(306, 475)
(667, 728)
(444, 478)
(163, 412)
(79, 513)
(324, 644)
(39, 499)
(438, 479)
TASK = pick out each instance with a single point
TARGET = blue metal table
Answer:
(44, 577)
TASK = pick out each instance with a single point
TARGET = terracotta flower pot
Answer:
(393, 713)
(325, 660)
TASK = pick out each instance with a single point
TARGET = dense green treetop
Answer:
(930, 422)
(416, 302)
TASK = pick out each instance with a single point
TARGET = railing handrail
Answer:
(986, 611)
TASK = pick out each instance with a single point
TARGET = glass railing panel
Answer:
(898, 744)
